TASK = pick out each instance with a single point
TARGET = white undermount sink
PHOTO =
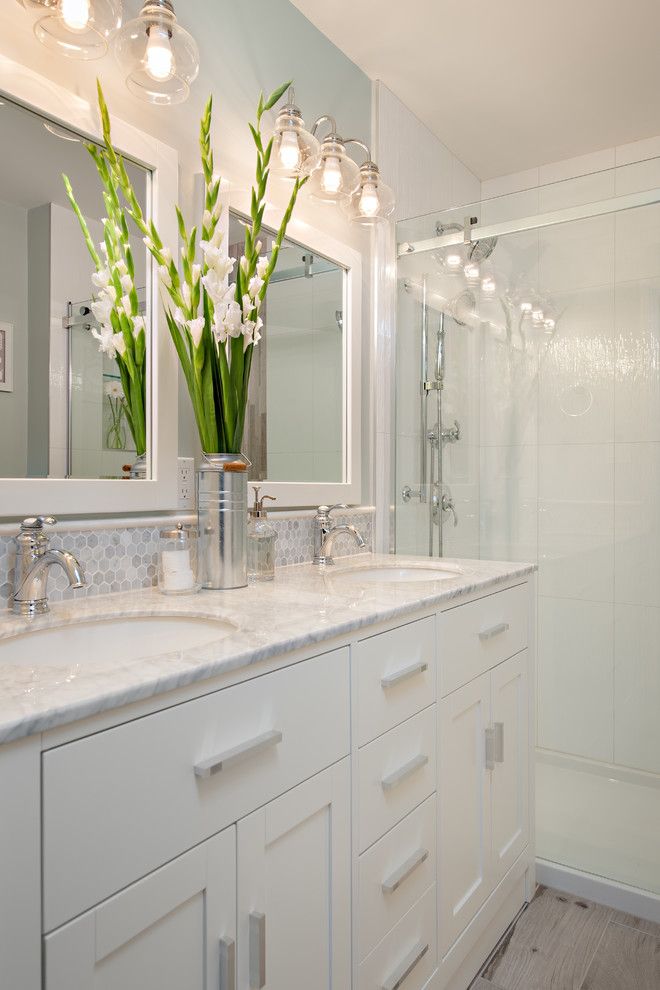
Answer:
(398, 574)
(105, 640)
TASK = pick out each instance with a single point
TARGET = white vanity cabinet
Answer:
(358, 819)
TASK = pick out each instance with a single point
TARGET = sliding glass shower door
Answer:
(552, 370)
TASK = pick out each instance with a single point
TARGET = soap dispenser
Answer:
(261, 541)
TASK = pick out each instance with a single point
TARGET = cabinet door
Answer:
(464, 864)
(510, 777)
(173, 929)
(294, 888)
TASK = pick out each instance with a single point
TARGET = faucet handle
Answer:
(38, 522)
(325, 510)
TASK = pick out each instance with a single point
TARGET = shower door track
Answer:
(617, 204)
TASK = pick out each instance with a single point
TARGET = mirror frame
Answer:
(302, 494)
(76, 497)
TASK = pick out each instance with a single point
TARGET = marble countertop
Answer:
(302, 607)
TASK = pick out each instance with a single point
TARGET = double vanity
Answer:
(319, 783)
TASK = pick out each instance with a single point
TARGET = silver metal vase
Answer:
(222, 513)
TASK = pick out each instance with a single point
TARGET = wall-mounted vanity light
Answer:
(75, 28)
(158, 57)
(333, 176)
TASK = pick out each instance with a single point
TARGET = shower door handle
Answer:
(407, 494)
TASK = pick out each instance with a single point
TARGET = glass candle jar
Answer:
(177, 561)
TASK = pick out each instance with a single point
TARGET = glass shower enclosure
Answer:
(528, 428)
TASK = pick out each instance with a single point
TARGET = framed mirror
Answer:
(303, 421)
(69, 437)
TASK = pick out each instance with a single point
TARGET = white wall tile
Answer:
(637, 373)
(638, 177)
(576, 659)
(509, 393)
(508, 487)
(569, 168)
(578, 254)
(576, 521)
(576, 191)
(505, 184)
(637, 523)
(638, 243)
(637, 687)
(465, 186)
(638, 150)
(576, 370)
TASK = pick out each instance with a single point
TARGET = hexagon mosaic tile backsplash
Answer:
(126, 559)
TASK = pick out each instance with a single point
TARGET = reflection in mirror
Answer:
(63, 413)
(295, 423)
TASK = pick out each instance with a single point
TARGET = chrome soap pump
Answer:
(261, 541)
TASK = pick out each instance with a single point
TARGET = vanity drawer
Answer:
(473, 638)
(411, 947)
(394, 874)
(395, 773)
(123, 802)
(395, 677)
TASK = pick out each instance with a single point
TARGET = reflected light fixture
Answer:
(293, 146)
(158, 57)
(76, 28)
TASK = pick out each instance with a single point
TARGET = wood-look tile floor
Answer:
(562, 942)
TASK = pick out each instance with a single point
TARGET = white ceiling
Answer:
(513, 84)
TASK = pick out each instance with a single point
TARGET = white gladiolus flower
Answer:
(103, 247)
(101, 279)
(185, 292)
(257, 247)
(102, 309)
(148, 243)
(126, 283)
(125, 305)
(244, 264)
(251, 333)
(217, 209)
(248, 305)
(214, 285)
(109, 292)
(121, 267)
(166, 255)
(138, 325)
(255, 285)
(232, 321)
(206, 219)
(179, 317)
(262, 265)
(105, 338)
(196, 328)
(119, 343)
(165, 276)
(114, 390)
(219, 330)
(196, 272)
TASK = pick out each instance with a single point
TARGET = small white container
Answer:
(177, 561)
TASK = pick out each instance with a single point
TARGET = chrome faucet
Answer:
(34, 559)
(325, 534)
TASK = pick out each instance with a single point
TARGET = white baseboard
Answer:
(632, 900)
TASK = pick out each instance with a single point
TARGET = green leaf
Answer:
(277, 95)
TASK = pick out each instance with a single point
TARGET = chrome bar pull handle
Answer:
(257, 950)
(498, 742)
(394, 881)
(389, 680)
(489, 754)
(214, 764)
(227, 964)
(397, 978)
(407, 770)
(486, 634)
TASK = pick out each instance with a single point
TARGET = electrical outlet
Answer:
(186, 483)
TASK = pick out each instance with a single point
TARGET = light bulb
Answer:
(537, 315)
(453, 261)
(525, 307)
(369, 201)
(289, 150)
(75, 14)
(159, 57)
(549, 324)
(488, 285)
(331, 176)
(471, 272)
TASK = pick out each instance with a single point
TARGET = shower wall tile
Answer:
(577, 255)
(508, 492)
(638, 177)
(637, 151)
(576, 191)
(576, 521)
(510, 207)
(512, 183)
(637, 523)
(576, 678)
(638, 244)
(570, 168)
(637, 687)
(637, 378)
(465, 186)
(576, 371)
(508, 393)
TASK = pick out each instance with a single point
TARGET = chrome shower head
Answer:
(480, 250)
